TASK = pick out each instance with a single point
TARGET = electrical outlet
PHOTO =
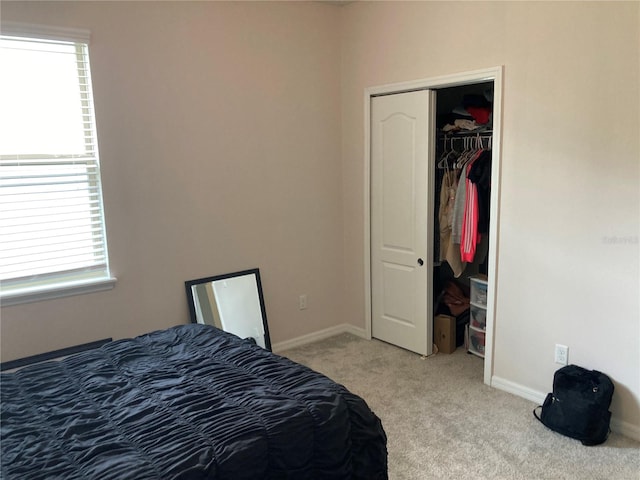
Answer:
(302, 301)
(562, 354)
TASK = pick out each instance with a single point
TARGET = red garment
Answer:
(480, 114)
(470, 238)
(470, 225)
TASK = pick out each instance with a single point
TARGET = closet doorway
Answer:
(400, 247)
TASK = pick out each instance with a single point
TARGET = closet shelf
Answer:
(465, 133)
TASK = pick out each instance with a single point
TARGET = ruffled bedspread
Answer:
(190, 402)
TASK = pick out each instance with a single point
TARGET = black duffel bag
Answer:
(578, 407)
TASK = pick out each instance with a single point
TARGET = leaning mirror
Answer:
(232, 302)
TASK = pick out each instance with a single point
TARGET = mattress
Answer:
(189, 402)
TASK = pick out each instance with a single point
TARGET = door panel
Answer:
(397, 302)
(401, 235)
(396, 133)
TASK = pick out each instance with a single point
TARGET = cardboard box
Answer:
(444, 333)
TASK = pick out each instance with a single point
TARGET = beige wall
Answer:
(219, 128)
(231, 136)
(570, 170)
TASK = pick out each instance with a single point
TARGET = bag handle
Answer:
(535, 414)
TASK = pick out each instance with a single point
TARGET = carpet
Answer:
(442, 422)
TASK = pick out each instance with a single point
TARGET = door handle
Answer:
(420, 262)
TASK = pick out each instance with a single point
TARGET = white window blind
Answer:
(52, 231)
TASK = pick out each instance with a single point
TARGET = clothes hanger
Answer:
(442, 163)
(446, 155)
(466, 154)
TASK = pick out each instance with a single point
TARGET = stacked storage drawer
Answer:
(478, 316)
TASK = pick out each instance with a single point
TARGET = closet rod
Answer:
(449, 138)
(479, 138)
(465, 134)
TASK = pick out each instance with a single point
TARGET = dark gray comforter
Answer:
(190, 402)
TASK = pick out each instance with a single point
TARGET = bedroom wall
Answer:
(568, 262)
(231, 136)
(219, 128)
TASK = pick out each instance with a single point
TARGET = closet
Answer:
(461, 201)
(417, 135)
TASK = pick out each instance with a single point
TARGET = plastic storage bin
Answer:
(478, 292)
(476, 342)
(478, 317)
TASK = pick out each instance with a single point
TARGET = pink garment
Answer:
(470, 237)
(470, 225)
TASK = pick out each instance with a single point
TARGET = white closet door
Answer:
(401, 219)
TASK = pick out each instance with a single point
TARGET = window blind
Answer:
(52, 229)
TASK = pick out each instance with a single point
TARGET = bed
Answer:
(189, 402)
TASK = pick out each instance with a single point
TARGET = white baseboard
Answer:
(619, 426)
(320, 335)
(517, 389)
(625, 428)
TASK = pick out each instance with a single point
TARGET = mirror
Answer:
(232, 302)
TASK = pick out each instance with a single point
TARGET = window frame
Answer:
(68, 286)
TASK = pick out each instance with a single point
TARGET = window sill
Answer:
(56, 291)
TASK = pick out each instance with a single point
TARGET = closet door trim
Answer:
(494, 74)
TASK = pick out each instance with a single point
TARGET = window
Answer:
(52, 231)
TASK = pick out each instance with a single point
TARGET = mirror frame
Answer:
(253, 271)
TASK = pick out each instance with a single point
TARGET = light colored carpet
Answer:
(442, 422)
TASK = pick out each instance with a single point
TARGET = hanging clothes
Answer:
(480, 175)
(463, 203)
(458, 208)
(469, 238)
(469, 232)
(445, 214)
